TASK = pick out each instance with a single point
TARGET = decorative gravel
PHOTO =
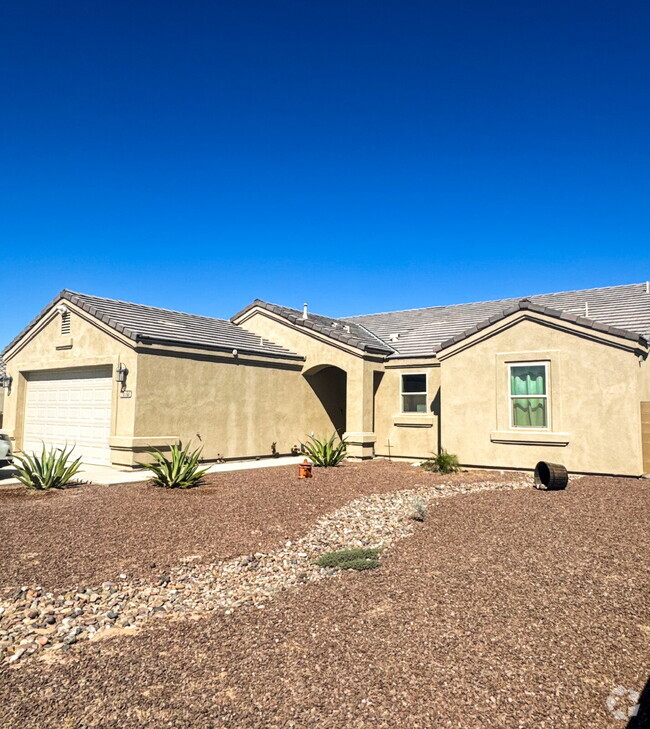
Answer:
(90, 534)
(35, 620)
(507, 609)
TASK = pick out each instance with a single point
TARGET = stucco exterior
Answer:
(232, 407)
(88, 345)
(237, 404)
(320, 352)
(594, 398)
(410, 435)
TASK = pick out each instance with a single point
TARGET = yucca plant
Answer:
(442, 462)
(53, 469)
(325, 453)
(179, 470)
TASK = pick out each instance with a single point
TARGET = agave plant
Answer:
(325, 453)
(178, 471)
(53, 469)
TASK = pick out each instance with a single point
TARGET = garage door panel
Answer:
(66, 407)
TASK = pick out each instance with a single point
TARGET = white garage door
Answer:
(66, 407)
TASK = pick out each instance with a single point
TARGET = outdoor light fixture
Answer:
(120, 375)
(5, 381)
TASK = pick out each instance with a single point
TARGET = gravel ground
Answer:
(34, 621)
(508, 609)
(89, 534)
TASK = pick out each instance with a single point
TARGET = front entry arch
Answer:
(329, 384)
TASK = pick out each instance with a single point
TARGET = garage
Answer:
(70, 406)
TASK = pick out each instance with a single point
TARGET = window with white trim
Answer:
(528, 383)
(414, 393)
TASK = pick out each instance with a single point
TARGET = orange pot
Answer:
(304, 470)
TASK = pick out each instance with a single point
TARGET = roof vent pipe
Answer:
(647, 287)
(304, 311)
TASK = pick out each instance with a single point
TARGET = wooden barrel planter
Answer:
(551, 476)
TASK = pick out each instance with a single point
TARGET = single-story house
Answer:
(561, 377)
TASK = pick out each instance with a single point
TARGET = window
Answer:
(414, 393)
(529, 395)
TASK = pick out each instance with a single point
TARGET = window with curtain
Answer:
(414, 393)
(529, 395)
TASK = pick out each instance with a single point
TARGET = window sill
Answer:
(531, 437)
(413, 420)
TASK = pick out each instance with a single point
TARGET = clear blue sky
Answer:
(362, 156)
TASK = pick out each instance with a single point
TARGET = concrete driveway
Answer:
(107, 476)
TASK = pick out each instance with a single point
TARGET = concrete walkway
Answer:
(107, 476)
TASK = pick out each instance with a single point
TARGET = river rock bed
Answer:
(35, 621)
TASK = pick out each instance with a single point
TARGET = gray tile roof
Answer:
(620, 310)
(341, 330)
(139, 322)
(421, 332)
(3, 367)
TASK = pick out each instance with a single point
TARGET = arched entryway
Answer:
(329, 384)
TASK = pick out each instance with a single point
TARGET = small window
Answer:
(529, 396)
(65, 322)
(414, 393)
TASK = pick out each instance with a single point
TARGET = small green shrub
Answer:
(178, 471)
(419, 510)
(442, 462)
(325, 453)
(53, 469)
(351, 559)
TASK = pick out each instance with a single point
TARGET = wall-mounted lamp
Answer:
(5, 381)
(120, 375)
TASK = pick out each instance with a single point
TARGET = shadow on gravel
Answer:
(642, 719)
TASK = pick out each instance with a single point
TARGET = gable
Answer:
(339, 330)
(45, 338)
(543, 316)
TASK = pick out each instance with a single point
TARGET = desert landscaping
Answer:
(502, 606)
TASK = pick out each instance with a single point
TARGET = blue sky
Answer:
(362, 156)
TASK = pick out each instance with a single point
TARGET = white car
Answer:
(5, 450)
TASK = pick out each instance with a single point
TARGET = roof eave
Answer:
(145, 339)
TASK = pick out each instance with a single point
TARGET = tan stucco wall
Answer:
(594, 402)
(232, 409)
(644, 378)
(88, 345)
(360, 370)
(412, 435)
(644, 389)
